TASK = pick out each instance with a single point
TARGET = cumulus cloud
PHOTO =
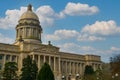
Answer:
(11, 18)
(94, 32)
(78, 9)
(46, 14)
(85, 37)
(4, 39)
(104, 28)
(72, 34)
(115, 48)
(62, 34)
(77, 49)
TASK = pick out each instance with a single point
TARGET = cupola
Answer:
(29, 28)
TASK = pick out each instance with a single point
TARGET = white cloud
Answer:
(62, 34)
(104, 28)
(72, 34)
(95, 32)
(77, 49)
(4, 39)
(46, 14)
(11, 18)
(86, 37)
(115, 48)
(78, 9)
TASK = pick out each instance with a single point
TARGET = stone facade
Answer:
(28, 42)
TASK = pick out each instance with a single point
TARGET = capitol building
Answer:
(28, 42)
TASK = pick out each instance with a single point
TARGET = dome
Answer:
(29, 14)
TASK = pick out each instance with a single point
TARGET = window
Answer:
(0, 66)
(13, 58)
(1, 56)
(8, 57)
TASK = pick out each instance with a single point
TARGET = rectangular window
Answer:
(13, 58)
(1, 56)
(0, 66)
(8, 57)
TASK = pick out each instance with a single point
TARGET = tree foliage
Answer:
(45, 73)
(29, 69)
(99, 73)
(89, 73)
(115, 64)
(10, 69)
(34, 70)
(89, 70)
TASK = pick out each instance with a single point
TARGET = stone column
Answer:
(31, 33)
(10, 58)
(54, 64)
(25, 32)
(59, 65)
(93, 65)
(33, 57)
(81, 68)
(16, 58)
(16, 33)
(44, 58)
(36, 32)
(4, 61)
(50, 61)
(73, 68)
(22, 30)
(77, 68)
(40, 35)
(39, 62)
(70, 68)
(66, 67)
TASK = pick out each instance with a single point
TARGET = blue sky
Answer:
(76, 26)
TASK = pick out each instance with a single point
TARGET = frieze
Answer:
(71, 56)
(8, 47)
(47, 49)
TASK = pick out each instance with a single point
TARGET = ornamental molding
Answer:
(47, 49)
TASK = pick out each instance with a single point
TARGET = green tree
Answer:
(89, 73)
(10, 69)
(115, 65)
(99, 73)
(34, 70)
(45, 73)
(29, 69)
(89, 70)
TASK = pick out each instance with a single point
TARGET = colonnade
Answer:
(7, 58)
(58, 65)
(69, 67)
(53, 61)
(96, 66)
(26, 32)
